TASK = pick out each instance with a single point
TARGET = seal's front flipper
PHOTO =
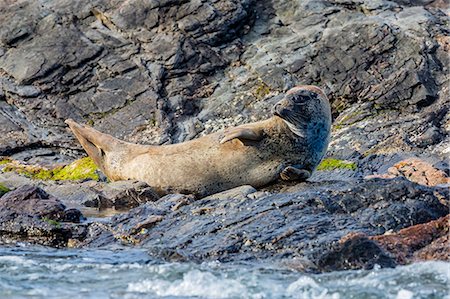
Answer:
(292, 173)
(243, 134)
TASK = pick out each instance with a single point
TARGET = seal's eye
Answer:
(291, 98)
(297, 98)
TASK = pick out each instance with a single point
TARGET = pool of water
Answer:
(38, 272)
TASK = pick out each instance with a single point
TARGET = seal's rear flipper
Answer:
(95, 143)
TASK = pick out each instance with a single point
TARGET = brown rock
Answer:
(427, 241)
(354, 251)
(416, 170)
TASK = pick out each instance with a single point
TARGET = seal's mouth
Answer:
(280, 109)
(275, 112)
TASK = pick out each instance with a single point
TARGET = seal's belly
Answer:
(196, 168)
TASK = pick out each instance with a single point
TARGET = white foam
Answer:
(307, 288)
(404, 294)
(15, 259)
(193, 283)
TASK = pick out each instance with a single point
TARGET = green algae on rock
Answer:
(261, 90)
(51, 221)
(31, 171)
(5, 161)
(332, 164)
(3, 190)
(78, 170)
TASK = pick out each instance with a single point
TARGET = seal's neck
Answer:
(281, 125)
(297, 131)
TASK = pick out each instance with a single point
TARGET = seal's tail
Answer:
(95, 143)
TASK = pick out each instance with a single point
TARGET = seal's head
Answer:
(305, 108)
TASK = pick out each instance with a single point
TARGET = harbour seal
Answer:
(289, 145)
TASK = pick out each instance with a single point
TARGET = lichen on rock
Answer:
(81, 169)
(3, 190)
(332, 164)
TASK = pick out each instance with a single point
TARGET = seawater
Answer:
(38, 272)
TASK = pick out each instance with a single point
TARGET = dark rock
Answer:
(104, 63)
(309, 224)
(30, 214)
(31, 200)
(119, 195)
(128, 194)
(73, 215)
(122, 195)
(354, 252)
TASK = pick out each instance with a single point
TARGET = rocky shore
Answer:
(159, 72)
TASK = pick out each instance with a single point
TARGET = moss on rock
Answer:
(5, 161)
(78, 170)
(51, 221)
(261, 90)
(3, 190)
(332, 164)
(31, 171)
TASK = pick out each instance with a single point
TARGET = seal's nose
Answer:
(276, 109)
(280, 107)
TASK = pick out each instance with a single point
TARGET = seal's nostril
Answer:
(276, 109)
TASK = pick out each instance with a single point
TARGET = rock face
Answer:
(167, 71)
(131, 68)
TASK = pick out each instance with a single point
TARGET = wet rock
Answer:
(121, 195)
(128, 194)
(354, 251)
(309, 224)
(30, 214)
(118, 195)
(72, 215)
(132, 227)
(34, 201)
(422, 242)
